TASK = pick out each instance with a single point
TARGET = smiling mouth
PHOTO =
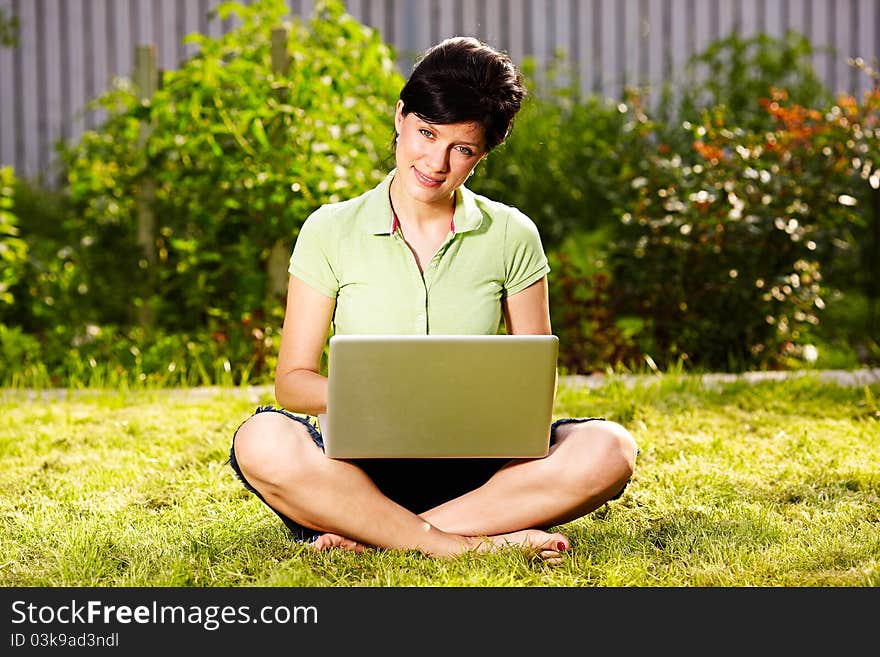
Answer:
(426, 180)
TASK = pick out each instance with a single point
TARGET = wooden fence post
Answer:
(280, 56)
(146, 79)
(279, 255)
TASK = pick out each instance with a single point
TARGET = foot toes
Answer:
(328, 540)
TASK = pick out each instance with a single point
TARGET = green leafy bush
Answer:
(16, 347)
(583, 311)
(9, 27)
(560, 164)
(228, 157)
(721, 254)
(232, 154)
(734, 72)
(13, 249)
(741, 219)
(673, 280)
(851, 265)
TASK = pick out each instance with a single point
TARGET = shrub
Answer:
(13, 249)
(232, 155)
(583, 309)
(853, 267)
(721, 253)
(733, 72)
(15, 346)
(229, 156)
(560, 164)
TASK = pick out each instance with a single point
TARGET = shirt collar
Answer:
(379, 219)
(395, 222)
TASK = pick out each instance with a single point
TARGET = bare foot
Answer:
(534, 542)
(328, 540)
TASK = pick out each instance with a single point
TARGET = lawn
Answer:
(737, 485)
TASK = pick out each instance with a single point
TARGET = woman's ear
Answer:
(398, 116)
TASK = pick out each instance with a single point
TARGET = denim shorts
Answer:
(415, 484)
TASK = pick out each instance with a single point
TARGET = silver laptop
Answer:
(439, 396)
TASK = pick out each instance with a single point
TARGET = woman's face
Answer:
(434, 159)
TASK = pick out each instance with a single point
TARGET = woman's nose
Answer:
(438, 159)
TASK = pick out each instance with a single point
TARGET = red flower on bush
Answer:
(710, 153)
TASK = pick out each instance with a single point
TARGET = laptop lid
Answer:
(437, 396)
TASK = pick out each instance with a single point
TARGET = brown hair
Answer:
(462, 79)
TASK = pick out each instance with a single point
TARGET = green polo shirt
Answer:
(349, 252)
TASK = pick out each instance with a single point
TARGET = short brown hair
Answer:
(461, 80)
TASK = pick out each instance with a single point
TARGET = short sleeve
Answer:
(310, 260)
(524, 259)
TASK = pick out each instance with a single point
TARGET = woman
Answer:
(409, 256)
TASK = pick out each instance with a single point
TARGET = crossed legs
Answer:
(588, 464)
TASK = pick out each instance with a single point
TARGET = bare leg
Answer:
(588, 464)
(280, 460)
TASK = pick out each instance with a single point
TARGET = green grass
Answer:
(769, 484)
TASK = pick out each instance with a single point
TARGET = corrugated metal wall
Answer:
(69, 50)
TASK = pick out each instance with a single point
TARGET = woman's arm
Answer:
(298, 385)
(528, 311)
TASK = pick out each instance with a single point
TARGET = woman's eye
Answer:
(425, 132)
(464, 149)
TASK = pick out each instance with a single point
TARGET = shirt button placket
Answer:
(422, 315)
(428, 279)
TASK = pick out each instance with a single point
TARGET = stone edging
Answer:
(859, 377)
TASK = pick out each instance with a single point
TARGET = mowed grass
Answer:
(768, 484)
